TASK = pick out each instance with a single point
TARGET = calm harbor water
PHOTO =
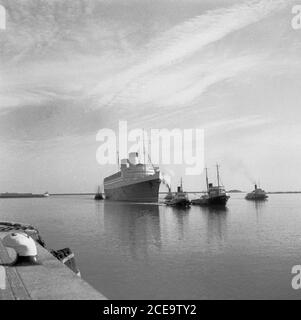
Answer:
(145, 251)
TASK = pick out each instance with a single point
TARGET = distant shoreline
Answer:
(284, 192)
(165, 192)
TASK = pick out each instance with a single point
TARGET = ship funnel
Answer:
(255, 186)
(124, 163)
(133, 158)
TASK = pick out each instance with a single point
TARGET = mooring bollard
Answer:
(24, 246)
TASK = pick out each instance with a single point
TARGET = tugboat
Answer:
(179, 199)
(98, 195)
(257, 194)
(215, 195)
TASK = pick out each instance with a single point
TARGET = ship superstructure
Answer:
(138, 182)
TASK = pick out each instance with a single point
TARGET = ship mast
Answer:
(117, 154)
(148, 154)
(217, 174)
(207, 183)
(143, 145)
(144, 151)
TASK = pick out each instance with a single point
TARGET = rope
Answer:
(28, 229)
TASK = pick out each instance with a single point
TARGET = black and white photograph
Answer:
(150, 150)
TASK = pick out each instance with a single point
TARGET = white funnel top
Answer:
(133, 158)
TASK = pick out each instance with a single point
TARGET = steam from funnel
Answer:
(240, 166)
(166, 180)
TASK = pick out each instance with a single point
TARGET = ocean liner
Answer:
(135, 181)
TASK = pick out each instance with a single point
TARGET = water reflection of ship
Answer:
(259, 205)
(133, 226)
(216, 218)
(181, 216)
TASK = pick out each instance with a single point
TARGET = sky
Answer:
(69, 68)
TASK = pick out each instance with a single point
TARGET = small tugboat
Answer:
(257, 194)
(179, 199)
(215, 195)
(98, 195)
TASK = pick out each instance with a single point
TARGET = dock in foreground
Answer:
(50, 280)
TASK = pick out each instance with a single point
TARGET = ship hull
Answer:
(257, 197)
(211, 201)
(145, 191)
(178, 203)
(98, 196)
(218, 201)
(200, 202)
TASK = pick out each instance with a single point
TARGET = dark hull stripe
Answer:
(146, 191)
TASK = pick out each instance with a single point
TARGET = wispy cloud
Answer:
(171, 71)
(233, 124)
(183, 86)
(184, 41)
(66, 51)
